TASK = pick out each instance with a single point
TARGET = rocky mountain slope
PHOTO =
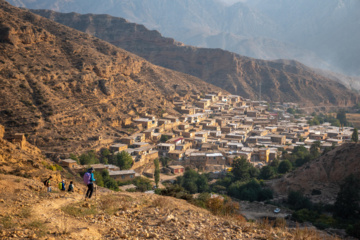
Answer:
(317, 33)
(63, 87)
(281, 80)
(325, 173)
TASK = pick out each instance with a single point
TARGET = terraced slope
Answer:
(62, 86)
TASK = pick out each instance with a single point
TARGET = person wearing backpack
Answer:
(47, 184)
(89, 181)
(62, 185)
(71, 187)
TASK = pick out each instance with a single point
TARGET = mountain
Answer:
(281, 80)
(321, 34)
(324, 174)
(63, 87)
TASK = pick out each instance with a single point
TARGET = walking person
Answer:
(89, 181)
(47, 184)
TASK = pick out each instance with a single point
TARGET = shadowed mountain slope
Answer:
(325, 173)
(281, 80)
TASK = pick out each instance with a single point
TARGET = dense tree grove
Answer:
(193, 182)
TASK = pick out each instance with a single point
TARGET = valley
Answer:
(177, 141)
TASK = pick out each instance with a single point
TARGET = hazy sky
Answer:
(232, 1)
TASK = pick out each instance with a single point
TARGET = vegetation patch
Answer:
(77, 210)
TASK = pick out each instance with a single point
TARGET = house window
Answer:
(123, 177)
(131, 176)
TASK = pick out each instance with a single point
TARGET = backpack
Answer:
(45, 182)
(87, 177)
(60, 186)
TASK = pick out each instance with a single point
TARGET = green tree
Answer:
(157, 172)
(275, 163)
(123, 160)
(266, 172)
(314, 149)
(355, 136)
(109, 182)
(74, 157)
(88, 158)
(241, 169)
(291, 110)
(285, 166)
(341, 116)
(202, 183)
(164, 138)
(165, 161)
(298, 201)
(193, 182)
(347, 201)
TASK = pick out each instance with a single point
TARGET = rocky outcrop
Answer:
(62, 86)
(280, 80)
(323, 175)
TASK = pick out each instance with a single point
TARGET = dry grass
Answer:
(113, 203)
(62, 226)
(310, 234)
(38, 226)
(6, 222)
(25, 212)
(161, 202)
(76, 210)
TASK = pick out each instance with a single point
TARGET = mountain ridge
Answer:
(303, 30)
(281, 80)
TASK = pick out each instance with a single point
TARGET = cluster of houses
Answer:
(211, 131)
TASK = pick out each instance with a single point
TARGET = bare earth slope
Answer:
(325, 173)
(281, 80)
(64, 86)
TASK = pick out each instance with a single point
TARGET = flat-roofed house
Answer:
(176, 155)
(70, 163)
(118, 147)
(164, 148)
(146, 122)
(279, 139)
(123, 175)
(177, 169)
(17, 139)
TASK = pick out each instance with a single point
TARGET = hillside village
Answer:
(211, 131)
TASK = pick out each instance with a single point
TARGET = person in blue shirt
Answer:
(89, 180)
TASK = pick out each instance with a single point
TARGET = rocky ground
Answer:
(30, 212)
(27, 211)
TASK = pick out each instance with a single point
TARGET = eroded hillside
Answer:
(281, 80)
(324, 174)
(64, 87)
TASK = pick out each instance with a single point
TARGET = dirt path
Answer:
(61, 225)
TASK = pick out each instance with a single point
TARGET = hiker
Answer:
(71, 187)
(47, 184)
(62, 185)
(89, 181)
